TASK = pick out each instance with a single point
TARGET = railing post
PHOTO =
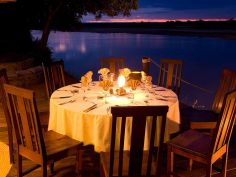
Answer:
(146, 64)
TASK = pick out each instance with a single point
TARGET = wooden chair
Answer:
(129, 163)
(203, 119)
(203, 148)
(113, 63)
(30, 141)
(170, 74)
(53, 76)
(4, 80)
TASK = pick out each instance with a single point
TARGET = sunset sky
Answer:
(163, 10)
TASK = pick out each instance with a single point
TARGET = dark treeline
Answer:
(200, 24)
(14, 31)
(225, 29)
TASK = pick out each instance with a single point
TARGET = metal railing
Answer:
(184, 81)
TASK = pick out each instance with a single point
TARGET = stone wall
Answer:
(23, 73)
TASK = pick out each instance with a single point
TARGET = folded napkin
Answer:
(105, 84)
(84, 81)
(104, 72)
(133, 84)
(149, 79)
(125, 72)
(89, 75)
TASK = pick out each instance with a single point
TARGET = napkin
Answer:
(105, 84)
(89, 75)
(133, 84)
(149, 79)
(104, 72)
(84, 81)
(125, 72)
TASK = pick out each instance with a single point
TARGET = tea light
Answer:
(121, 81)
(121, 84)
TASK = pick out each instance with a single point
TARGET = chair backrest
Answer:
(139, 116)
(24, 116)
(227, 83)
(4, 80)
(225, 123)
(170, 74)
(113, 63)
(53, 76)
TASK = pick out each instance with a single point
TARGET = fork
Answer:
(70, 101)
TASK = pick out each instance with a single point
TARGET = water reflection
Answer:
(203, 57)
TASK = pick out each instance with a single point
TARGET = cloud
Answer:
(187, 4)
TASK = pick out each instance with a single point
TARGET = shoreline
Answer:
(226, 34)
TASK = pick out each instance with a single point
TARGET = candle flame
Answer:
(121, 81)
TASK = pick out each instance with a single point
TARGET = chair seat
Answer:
(105, 159)
(57, 143)
(191, 141)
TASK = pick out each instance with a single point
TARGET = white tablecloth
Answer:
(94, 127)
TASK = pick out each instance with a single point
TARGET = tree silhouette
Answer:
(62, 14)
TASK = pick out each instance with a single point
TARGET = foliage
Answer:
(66, 13)
(40, 55)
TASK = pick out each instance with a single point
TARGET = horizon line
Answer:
(154, 20)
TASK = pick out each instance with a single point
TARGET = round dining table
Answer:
(83, 113)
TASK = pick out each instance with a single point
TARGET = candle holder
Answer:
(121, 91)
(121, 82)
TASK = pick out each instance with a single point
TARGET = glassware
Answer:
(111, 77)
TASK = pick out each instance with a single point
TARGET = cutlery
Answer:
(61, 97)
(76, 86)
(90, 108)
(162, 99)
(70, 101)
(160, 90)
(100, 97)
(72, 91)
(165, 96)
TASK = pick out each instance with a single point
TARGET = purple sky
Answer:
(162, 10)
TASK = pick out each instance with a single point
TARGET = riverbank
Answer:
(225, 29)
(229, 34)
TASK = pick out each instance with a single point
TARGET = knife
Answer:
(61, 97)
(76, 86)
(90, 108)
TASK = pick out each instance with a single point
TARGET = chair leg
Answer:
(190, 164)
(224, 163)
(10, 141)
(78, 164)
(170, 161)
(52, 167)
(208, 170)
(19, 165)
(44, 169)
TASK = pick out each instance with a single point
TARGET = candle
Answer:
(121, 81)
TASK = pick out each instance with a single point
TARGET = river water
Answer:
(203, 57)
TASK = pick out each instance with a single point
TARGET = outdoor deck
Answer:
(65, 167)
